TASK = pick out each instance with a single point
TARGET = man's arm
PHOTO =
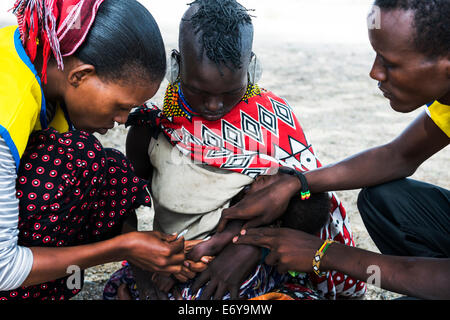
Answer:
(397, 159)
(426, 278)
(290, 249)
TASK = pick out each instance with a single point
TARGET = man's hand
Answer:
(290, 250)
(263, 206)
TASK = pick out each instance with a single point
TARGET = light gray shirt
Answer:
(15, 261)
(188, 195)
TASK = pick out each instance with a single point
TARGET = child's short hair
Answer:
(222, 24)
(307, 215)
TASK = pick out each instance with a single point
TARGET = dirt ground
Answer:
(318, 57)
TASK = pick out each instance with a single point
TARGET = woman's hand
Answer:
(193, 266)
(155, 251)
(290, 250)
(264, 204)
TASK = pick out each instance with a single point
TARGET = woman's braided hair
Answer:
(431, 22)
(220, 23)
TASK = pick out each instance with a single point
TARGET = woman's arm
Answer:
(151, 251)
(28, 266)
(15, 260)
(397, 159)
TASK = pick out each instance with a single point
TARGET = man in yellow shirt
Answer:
(404, 217)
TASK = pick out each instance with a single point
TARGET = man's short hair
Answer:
(431, 22)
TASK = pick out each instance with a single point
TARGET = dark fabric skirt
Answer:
(408, 218)
(72, 191)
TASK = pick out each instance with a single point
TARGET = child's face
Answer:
(95, 105)
(209, 92)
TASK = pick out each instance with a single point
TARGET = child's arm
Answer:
(221, 239)
(138, 141)
(217, 243)
(151, 285)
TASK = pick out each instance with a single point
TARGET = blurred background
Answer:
(337, 21)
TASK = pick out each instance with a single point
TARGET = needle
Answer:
(182, 233)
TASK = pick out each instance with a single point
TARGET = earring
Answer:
(173, 69)
(254, 70)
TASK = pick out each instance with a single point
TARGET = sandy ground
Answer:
(317, 56)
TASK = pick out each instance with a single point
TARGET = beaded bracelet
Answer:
(318, 257)
(304, 192)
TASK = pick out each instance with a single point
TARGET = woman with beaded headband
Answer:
(69, 69)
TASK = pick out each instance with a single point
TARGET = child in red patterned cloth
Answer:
(218, 131)
(308, 216)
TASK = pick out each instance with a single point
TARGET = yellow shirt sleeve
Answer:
(22, 102)
(20, 91)
(440, 114)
